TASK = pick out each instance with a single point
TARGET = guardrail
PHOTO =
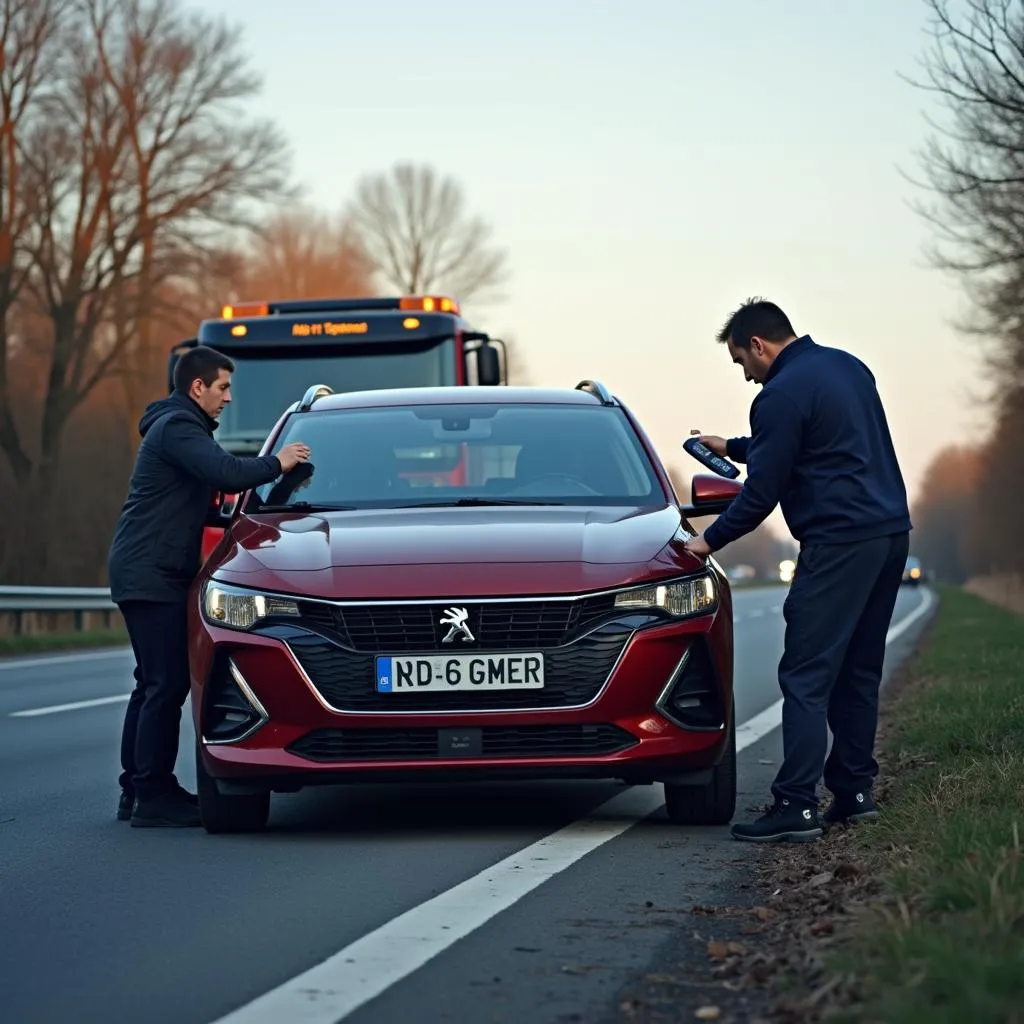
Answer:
(56, 610)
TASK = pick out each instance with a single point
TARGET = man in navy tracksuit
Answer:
(820, 446)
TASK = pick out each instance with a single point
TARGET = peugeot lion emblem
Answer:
(455, 620)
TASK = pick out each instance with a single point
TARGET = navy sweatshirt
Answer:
(820, 446)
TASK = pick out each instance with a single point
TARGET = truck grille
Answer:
(573, 675)
(494, 741)
(496, 626)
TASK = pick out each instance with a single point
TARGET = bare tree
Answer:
(419, 237)
(944, 512)
(29, 38)
(196, 166)
(305, 254)
(139, 161)
(974, 165)
(993, 530)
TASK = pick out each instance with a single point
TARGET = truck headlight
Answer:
(238, 608)
(680, 598)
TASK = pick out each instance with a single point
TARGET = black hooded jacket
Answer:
(155, 553)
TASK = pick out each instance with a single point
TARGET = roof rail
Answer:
(312, 394)
(595, 387)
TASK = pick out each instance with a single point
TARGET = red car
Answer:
(463, 584)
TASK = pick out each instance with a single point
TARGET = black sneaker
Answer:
(169, 810)
(124, 804)
(188, 797)
(782, 823)
(849, 809)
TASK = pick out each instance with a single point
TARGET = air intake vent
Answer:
(693, 701)
(230, 714)
(339, 745)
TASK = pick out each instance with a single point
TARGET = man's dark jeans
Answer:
(149, 739)
(837, 614)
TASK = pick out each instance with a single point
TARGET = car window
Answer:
(574, 455)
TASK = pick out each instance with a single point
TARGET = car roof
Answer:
(461, 395)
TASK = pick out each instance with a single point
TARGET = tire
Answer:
(225, 814)
(713, 804)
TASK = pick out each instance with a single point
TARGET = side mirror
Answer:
(488, 365)
(711, 495)
(220, 510)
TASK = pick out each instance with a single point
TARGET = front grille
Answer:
(490, 741)
(573, 675)
(498, 625)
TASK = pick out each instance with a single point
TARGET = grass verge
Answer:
(947, 944)
(38, 643)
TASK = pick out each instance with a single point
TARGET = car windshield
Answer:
(535, 454)
(264, 383)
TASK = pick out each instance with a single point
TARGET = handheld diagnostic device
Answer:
(706, 457)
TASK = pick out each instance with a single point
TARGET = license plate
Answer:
(449, 672)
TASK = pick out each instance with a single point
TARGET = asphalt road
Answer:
(499, 903)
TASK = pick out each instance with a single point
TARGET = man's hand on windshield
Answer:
(291, 455)
(713, 441)
(698, 545)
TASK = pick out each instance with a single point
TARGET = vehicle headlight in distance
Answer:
(238, 608)
(684, 597)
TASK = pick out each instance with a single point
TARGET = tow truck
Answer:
(350, 344)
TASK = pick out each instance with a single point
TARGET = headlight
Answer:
(237, 608)
(686, 597)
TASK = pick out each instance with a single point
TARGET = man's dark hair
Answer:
(756, 318)
(202, 362)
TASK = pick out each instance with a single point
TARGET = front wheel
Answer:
(220, 813)
(713, 804)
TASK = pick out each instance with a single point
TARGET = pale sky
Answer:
(648, 165)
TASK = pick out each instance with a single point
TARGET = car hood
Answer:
(426, 551)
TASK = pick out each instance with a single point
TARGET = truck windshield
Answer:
(265, 383)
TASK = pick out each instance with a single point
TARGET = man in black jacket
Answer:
(153, 560)
(820, 447)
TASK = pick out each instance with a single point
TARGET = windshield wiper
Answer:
(304, 506)
(479, 502)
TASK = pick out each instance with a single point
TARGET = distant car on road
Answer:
(913, 574)
(739, 573)
(464, 584)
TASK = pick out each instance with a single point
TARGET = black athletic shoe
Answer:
(849, 809)
(169, 810)
(124, 804)
(782, 823)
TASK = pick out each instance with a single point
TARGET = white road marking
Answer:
(330, 991)
(927, 600)
(63, 659)
(53, 709)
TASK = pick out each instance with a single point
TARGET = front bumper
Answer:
(634, 698)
